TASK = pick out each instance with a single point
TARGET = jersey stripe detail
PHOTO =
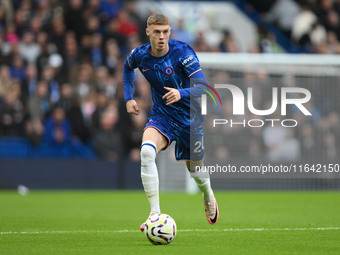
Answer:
(195, 72)
(128, 61)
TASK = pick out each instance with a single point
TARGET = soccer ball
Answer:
(160, 229)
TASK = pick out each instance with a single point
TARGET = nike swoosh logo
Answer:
(144, 70)
(162, 233)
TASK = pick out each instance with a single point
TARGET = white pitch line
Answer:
(258, 229)
(180, 230)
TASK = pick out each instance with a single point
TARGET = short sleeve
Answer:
(189, 61)
(131, 59)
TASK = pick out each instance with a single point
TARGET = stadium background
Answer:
(63, 122)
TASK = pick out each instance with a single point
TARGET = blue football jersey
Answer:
(174, 70)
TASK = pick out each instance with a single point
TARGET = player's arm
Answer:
(128, 78)
(199, 85)
(192, 69)
(174, 95)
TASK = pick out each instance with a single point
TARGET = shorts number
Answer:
(199, 146)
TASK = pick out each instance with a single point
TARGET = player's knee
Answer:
(148, 152)
(193, 166)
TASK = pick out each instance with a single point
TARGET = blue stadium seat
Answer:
(19, 147)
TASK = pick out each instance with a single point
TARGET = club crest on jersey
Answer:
(168, 71)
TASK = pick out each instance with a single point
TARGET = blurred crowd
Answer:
(61, 66)
(61, 73)
(312, 24)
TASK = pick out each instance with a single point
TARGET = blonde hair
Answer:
(158, 19)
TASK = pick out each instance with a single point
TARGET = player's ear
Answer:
(147, 31)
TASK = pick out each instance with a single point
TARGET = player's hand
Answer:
(132, 107)
(172, 96)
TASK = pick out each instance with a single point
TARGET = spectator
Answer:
(48, 75)
(34, 130)
(281, 144)
(283, 14)
(93, 10)
(200, 44)
(106, 83)
(21, 20)
(109, 8)
(126, 25)
(84, 83)
(227, 44)
(74, 19)
(58, 34)
(332, 23)
(107, 140)
(71, 57)
(11, 35)
(12, 113)
(5, 51)
(325, 6)
(81, 130)
(66, 97)
(97, 54)
(29, 84)
(35, 25)
(28, 49)
(18, 70)
(43, 12)
(7, 12)
(92, 25)
(309, 142)
(38, 103)
(269, 44)
(57, 128)
(332, 45)
(88, 107)
(112, 32)
(102, 102)
(134, 135)
(112, 55)
(5, 80)
(135, 14)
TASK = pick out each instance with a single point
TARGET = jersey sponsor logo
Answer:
(188, 61)
(168, 71)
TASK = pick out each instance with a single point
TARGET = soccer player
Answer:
(168, 65)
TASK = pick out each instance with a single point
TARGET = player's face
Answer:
(159, 37)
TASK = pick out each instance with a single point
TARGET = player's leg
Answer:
(195, 149)
(202, 180)
(153, 141)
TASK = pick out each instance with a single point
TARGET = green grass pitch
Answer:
(106, 222)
